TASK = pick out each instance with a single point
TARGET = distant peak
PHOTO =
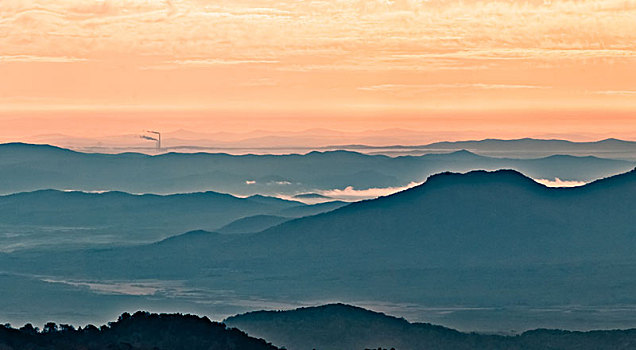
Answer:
(25, 145)
(480, 174)
(198, 233)
(188, 235)
(319, 308)
(336, 310)
(569, 156)
(613, 140)
(463, 152)
(339, 306)
(473, 177)
(263, 197)
(311, 195)
(336, 152)
(72, 192)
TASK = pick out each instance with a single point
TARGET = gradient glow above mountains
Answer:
(282, 65)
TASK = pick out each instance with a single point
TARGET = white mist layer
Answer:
(559, 183)
(349, 193)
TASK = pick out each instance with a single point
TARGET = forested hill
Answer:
(141, 331)
(340, 326)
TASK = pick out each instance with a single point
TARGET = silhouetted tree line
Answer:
(146, 331)
(140, 331)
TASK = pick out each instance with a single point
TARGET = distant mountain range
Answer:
(517, 148)
(184, 139)
(390, 142)
(339, 326)
(481, 239)
(26, 167)
(51, 217)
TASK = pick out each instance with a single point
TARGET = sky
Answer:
(489, 68)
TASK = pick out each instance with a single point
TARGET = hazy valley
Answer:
(487, 251)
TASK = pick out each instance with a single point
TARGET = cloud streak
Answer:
(35, 59)
(428, 87)
(214, 62)
(617, 92)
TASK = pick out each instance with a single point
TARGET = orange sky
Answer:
(507, 68)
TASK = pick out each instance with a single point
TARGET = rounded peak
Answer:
(75, 193)
(614, 140)
(338, 306)
(194, 234)
(311, 195)
(261, 197)
(462, 153)
(34, 146)
(479, 174)
(198, 233)
(338, 152)
(474, 177)
(340, 311)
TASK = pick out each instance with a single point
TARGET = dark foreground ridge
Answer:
(327, 327)
(140, 331)
(340, 326)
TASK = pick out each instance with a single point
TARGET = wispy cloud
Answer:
(114, 288)
(214, 62)
(397, 87)
(208, 62)
(47, 59)
(522, 53)
(617, 92)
